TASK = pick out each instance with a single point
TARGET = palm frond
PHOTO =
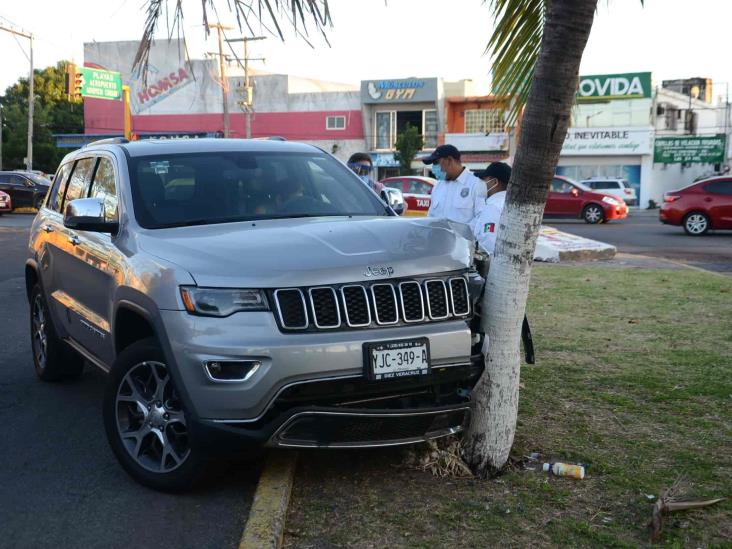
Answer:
(514, 49)
(297, 13)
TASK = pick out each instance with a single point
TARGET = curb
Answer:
(265, 526)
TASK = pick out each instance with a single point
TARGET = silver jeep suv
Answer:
(243, 294)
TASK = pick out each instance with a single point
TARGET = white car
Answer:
(616, 187)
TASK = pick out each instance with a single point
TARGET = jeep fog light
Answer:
(229, 371)
(222, 302)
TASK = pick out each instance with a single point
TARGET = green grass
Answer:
(634, 380)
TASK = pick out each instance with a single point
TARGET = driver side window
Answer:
(559, 186)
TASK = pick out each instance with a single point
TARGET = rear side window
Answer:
(104, 187)
(56, 196)
(720, 187)
(79, 182)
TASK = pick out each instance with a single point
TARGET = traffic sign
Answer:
(100, 84)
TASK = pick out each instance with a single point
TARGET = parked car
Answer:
(26, 189)
(6, 204)
(254, 293)
(416, 191)
(619, 188)
(700, 206)
(568, 198)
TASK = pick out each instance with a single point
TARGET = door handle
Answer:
(48, 228)
(74, 240)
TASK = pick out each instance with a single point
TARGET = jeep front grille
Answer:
(373, 305)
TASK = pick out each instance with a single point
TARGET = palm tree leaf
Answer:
(514, 49)
(246, 11)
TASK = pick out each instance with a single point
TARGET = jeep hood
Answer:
(308, 252)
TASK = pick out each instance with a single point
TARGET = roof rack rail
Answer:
(108, 141)
(269, 138)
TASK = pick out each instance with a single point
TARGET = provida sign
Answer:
(632, 85)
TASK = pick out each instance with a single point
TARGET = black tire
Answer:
(696, 223)
(52, 358)
(593, 214)
(157, 450)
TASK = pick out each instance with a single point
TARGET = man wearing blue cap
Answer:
(485, 226)
(459, 195)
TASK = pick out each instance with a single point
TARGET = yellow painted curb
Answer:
(266, 524)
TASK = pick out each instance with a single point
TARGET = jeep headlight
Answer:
(222, 302)
(610, 201)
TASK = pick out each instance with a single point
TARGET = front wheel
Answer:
(593, 214)
(145, 422)
(696, 224)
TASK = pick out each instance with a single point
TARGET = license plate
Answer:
(395, 359)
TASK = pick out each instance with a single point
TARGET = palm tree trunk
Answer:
(490, 436)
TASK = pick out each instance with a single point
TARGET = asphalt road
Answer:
(642, 233)
(60, 485)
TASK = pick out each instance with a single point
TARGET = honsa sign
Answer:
(632, 85)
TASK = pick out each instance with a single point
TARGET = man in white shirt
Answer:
(485, 226)
(459, 195)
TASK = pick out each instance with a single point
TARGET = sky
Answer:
(375, 39)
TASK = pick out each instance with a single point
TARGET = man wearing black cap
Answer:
(459, 196)
(496, 177)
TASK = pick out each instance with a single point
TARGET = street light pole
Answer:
(31, 105)
(31, 96)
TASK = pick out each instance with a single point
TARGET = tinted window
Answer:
(4, 178)
(104, 187)
(220, 187)
(720, 187)
(56, 195)
(79, 182)
(560, 186)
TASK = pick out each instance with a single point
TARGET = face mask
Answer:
(439, 172)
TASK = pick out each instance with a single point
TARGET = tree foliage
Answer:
(407, 145)
(53, 113)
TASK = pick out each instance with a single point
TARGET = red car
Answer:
(6, 204)
(568, 198)
(416, 190)
(699, 207)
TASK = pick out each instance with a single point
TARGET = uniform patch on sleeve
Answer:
(489, 228)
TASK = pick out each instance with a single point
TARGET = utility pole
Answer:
(222, 70)
(247, 103)
(1, 138)
(31, 96)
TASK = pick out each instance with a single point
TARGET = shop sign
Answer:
(632, 85)
(411, 90)
(690, 149)
(607, 141)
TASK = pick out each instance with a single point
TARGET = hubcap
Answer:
(593, 214)
(150, 418)
(696, 223)
(40, 336)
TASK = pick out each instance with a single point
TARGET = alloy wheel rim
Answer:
(696, 224)
(150, 419)
(593, 214)
(40, 334)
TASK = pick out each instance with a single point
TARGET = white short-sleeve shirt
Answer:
(485, 225)
(459, 200)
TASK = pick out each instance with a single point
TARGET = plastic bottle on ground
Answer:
(565, 470)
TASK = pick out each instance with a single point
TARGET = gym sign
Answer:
(410, 90)
(632, 85)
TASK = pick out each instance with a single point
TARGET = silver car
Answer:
(243, 294)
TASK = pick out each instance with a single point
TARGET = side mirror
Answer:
(87, 214)
(574, 191)
(395, 199)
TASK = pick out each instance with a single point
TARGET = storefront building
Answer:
(388, 106)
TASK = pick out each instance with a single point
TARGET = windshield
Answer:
(38, 179)
(220, 187)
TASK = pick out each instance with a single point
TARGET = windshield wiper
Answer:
(202, 221)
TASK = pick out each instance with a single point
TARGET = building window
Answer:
(484, 121)
(335, 123)
(390, 124)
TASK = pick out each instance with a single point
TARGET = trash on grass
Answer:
(565, 470)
